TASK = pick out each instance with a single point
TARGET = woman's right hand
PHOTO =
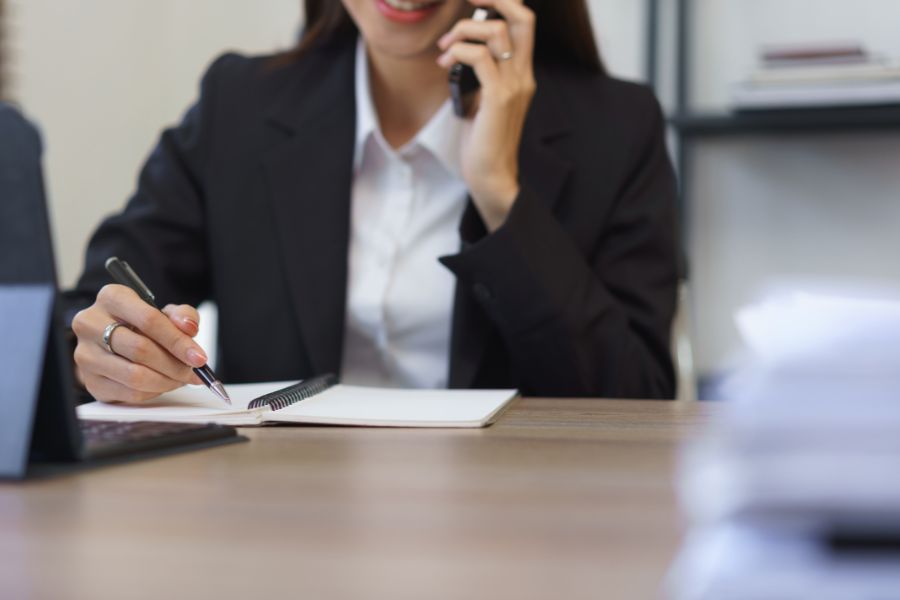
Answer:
(153, 353)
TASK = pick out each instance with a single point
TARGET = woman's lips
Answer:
(407, 11)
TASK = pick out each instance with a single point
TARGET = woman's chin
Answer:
(405, 28)
(401, 49)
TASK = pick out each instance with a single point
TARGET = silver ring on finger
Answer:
(505, 56)
(107, 335)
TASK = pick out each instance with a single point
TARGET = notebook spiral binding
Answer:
(295, 393)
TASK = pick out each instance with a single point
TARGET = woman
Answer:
(344, 220)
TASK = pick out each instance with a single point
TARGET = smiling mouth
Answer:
(410, 6)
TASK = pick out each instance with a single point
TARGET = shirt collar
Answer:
(441, 136)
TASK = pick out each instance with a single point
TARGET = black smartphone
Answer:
(463, 81)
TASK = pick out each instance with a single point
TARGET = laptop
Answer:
(39, 430)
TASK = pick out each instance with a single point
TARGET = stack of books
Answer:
(795, 492)
(818, 77)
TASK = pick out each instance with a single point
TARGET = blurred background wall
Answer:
(103, 76)
(774, 209)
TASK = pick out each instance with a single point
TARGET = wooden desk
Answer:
(560, 499)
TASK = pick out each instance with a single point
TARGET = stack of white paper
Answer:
(742, 563)
(804, 460)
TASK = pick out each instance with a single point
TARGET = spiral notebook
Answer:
(319, 400)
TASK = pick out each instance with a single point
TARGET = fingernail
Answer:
(196, 357)
(191, 323)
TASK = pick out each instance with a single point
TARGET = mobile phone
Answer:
(463, 81)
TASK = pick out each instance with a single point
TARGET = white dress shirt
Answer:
(406, 208)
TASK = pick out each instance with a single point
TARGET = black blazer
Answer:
(247, 202)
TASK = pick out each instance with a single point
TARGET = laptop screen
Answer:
(39, 405)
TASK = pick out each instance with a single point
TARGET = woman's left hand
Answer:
(504, 66)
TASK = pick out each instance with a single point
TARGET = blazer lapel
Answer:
(309, 171)
(544, 171)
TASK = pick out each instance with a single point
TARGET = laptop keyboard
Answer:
(111, 438)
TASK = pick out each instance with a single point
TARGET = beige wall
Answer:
(103, 76)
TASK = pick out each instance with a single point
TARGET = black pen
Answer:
(122, 272)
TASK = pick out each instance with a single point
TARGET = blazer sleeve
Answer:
(162, 232)
(594, 324)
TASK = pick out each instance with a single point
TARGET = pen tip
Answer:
(219, 390)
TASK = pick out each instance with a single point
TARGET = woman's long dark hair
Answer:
(563, 34)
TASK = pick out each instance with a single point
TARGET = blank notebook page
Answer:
(351, 405)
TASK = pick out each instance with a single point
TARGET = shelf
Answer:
(824, 120)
